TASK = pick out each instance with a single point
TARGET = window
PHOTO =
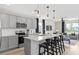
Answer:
(72, 27)
(75, 27)
(68, 27)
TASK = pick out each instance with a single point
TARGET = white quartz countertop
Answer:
(40, 37)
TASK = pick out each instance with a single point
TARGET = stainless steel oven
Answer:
(20, 39)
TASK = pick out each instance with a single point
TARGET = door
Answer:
(37, 25)
(43, 22)
(63, 23)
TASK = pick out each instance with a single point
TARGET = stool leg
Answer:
(63, 46)
(59, 47)
(47, 51)
(39, 50)
(44, 51)
(53, 51)
(69, 41)
(56, 50)
(61, 42)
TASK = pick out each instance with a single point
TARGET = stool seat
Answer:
(43, 45)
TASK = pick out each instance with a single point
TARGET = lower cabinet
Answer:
(9, 42)
(4, 44)
(13, 42)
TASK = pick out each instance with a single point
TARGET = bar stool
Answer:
(42, 45)
(50, 48)
(47, 46)
(56, 45)
(62, 43)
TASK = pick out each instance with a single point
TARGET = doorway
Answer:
(43, 22)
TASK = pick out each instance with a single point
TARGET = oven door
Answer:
(21, 41)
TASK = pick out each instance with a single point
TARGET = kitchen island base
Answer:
(31, 47)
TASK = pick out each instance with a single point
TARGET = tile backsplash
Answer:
(11, 32)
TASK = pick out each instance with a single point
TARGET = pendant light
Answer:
(37, 11)
(47, 11)
(54, 12)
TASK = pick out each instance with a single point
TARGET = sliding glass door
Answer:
(72, 28)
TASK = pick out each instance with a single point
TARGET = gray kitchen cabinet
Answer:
(4, 20)
(28, 23)
(13, 42)
(0, 41)
(31, 23)
(34, 23)
(23, 20)
(8, 42)
(4, 44)
(19, 19)
(12, 21)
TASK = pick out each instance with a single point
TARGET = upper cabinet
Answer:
(4, 20)
(18, 20)
(12, 23)
(21, 20)
(31, 23)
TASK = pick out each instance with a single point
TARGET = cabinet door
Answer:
(13, 42)
(4, 20)
(33, 23)
(12, 21)
(29, 23)
(26, 21)
(4, 44)
(23, 20)
(19, 20)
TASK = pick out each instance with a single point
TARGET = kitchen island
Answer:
(31, 43)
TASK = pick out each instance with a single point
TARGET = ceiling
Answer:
(62, 10)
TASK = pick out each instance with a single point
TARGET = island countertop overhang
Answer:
(40, 37)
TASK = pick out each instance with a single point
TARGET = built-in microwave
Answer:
(21, 25)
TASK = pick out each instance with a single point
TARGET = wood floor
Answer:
(72, 49)
(18, 51)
